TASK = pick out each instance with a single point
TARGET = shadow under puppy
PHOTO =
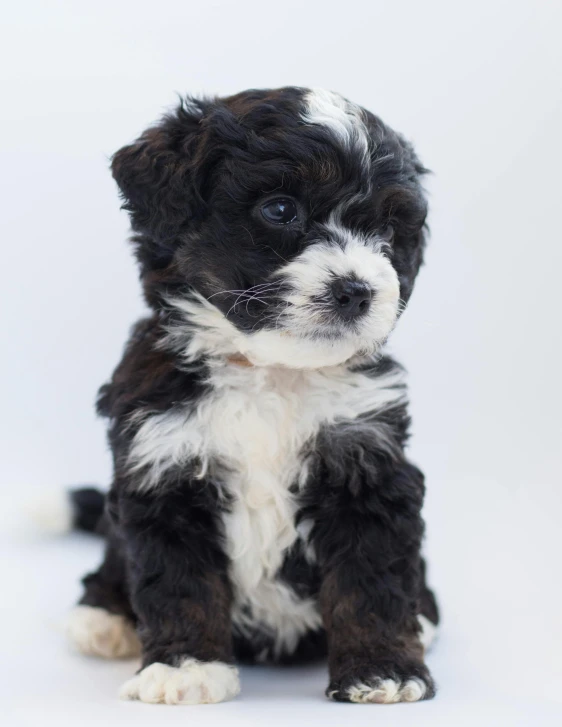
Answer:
(262, 508)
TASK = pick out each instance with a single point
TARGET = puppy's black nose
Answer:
(352, 297)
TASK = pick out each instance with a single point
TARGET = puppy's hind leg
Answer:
(103, 623)
(94, 631)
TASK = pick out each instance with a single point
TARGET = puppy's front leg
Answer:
(367, 533)
(181, 596)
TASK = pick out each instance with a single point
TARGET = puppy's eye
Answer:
(280, 211)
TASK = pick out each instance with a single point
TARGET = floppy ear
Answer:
(156, 174)
(408, 212)
(401, 200)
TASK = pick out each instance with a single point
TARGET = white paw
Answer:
(51, 512)
(96, 632)
(387, 691)
(428, 631)
(193, 682)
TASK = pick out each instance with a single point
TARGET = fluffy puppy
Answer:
(262, 507)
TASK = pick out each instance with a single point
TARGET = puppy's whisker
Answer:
(278, 255)
(225, 292)
(262, 286)
(249, 233)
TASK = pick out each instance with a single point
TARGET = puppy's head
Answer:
(284, 225)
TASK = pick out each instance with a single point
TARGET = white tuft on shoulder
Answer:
(193, 682)
(51, 512)
(96, 632)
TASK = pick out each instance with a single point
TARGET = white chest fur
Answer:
(253, 425)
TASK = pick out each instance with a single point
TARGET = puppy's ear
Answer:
(401, 200)
(157, 174)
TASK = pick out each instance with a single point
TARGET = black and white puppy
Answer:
(262, 507)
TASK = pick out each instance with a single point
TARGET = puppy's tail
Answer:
(61, 512)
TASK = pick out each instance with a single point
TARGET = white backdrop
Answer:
(476, 86)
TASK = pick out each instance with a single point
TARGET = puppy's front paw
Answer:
(193, 682)
(383, 686)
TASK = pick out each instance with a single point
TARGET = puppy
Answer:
(262, 507)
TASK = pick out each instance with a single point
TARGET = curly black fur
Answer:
(193, 185)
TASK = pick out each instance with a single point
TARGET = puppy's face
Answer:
(284, 225)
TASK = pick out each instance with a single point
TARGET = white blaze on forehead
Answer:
(343, 118)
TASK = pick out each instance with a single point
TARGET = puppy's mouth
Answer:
(296, 337)
(318, 334)
(281, 323)
(329, 304)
